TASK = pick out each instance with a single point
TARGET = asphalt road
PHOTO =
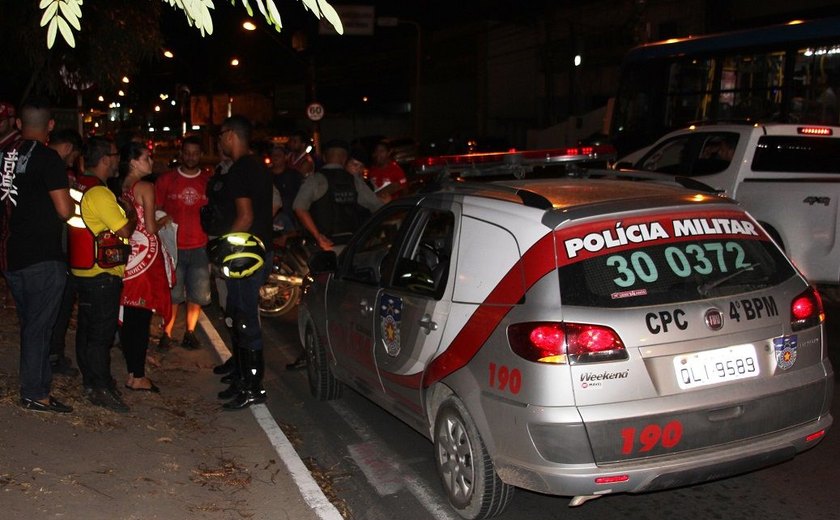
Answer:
(374, 467)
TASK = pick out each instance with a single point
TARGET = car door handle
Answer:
(365, 307)
(427, 324)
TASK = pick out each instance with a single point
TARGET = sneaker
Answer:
(109, 399)
(190, 342)
(53, 406)
(165, 342)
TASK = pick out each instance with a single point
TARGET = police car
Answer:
(576, 337)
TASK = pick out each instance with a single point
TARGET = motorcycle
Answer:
(282, 292)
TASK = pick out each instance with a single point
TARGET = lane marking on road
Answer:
(311, 492)
(430, 499)
(213, 335)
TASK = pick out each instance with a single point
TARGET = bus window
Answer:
(751, 87)
(689, 92)
(816, 81)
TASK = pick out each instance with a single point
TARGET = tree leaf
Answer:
(262, 9)
(248, 8)
(66, 32)
(51, 33)
(76, 7)
(275, 14)
(331, 15)
(207, 19)
(70, 16)
(49, 13)
(45, 3)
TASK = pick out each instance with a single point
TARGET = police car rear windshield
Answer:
(663, 273)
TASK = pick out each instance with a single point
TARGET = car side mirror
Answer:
(323, 262)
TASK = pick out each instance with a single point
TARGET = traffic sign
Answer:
(315, 111)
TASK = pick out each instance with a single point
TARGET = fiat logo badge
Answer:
(714, 319)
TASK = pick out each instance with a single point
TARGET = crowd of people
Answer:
(120, 248)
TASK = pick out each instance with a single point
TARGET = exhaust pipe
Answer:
(582, 499)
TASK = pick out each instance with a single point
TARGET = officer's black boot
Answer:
(235, 379)
(225, 368)
(234, 373)
(253, 366)
(228, 366)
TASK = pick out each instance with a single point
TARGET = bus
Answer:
(787, 73)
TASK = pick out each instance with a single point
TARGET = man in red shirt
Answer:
(181, 193)
(385, 174)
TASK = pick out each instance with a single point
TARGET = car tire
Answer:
(322, 383)
(465, 469)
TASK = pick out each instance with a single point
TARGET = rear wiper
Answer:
(708, 286)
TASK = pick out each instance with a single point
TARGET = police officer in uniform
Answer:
(244, 208)
(332, 203)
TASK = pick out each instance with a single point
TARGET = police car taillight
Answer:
(561, 343)
(593, 343)
(806, 310)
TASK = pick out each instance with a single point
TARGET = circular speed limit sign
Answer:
(315, 111)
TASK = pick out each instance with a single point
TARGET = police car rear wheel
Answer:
(322, 384)
(465, 467)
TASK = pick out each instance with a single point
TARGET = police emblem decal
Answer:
(390, 312)
(785, 349)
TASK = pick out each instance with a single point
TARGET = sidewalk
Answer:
(175, 455)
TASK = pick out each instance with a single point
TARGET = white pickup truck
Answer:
(787, 176)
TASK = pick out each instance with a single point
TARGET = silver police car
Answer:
(576, 337)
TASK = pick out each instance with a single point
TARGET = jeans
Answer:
(99, 306)
(62, 322)
(243, 306)
(37, 291)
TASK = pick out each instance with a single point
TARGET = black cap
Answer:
(337, 143)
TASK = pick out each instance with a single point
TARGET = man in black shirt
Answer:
(247, 200)
(35, 201)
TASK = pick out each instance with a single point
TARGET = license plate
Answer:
(716, 366)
